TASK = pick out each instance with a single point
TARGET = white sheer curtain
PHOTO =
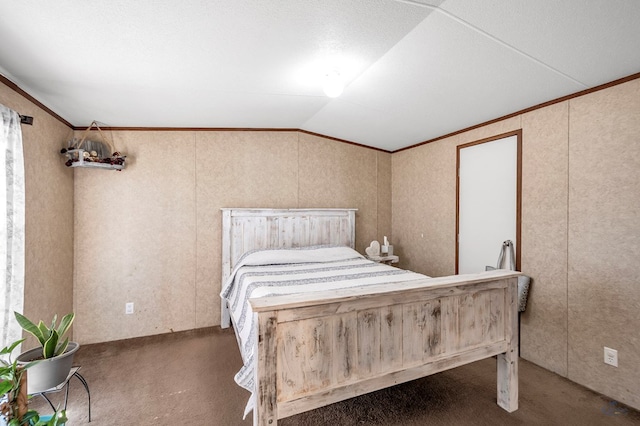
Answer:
(11, 224)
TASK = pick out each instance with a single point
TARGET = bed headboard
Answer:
(249, 229)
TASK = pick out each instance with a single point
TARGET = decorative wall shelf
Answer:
(93, 154)
(77, 159)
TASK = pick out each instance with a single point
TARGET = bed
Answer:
(306, 349)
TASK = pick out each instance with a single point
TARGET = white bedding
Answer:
(286, 271)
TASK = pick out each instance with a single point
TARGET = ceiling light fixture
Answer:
(333, 85)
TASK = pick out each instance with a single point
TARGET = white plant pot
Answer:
(47, 373)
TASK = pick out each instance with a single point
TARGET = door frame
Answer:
(518, 135)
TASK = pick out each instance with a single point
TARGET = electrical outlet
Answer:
(610, 356)
(128, 308)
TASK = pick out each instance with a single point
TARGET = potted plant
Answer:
(13, 389)
(55, 357)
(13, 394)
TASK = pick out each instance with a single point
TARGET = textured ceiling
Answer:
(414, 70)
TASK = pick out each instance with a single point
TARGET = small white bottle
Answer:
(384, 249)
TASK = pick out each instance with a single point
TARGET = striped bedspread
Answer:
(286, 271)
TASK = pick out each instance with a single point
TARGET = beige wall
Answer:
(151, 234)
(580, 230)
(604, 240)
(544, 235)
(49, 212)
(423, 208)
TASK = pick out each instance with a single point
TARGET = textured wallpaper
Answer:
(49, 213)
(424, 207)
(580, 230)
(544, 235)
(135, 239)
(604, 240)
(151, 234)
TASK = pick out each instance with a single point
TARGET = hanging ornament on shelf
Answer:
(93, 154)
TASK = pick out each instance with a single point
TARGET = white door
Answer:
(488, 210)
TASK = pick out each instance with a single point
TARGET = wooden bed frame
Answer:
(320, 348)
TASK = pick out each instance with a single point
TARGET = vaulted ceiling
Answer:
(413, 70)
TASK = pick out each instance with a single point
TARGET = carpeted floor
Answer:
(187, 379)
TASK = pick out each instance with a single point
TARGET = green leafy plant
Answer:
(32, 418)
(10, 383)
(11, 375)
(49, 337)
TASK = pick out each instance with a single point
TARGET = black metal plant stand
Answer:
(65, 385)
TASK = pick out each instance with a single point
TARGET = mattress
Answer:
(266, 273)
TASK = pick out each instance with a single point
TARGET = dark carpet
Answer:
(187, 379)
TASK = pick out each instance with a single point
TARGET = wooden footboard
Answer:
(318, 349)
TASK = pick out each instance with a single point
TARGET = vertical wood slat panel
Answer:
(226, 246)
(451, 325)
(482, 308)
(507, 363)
(413, 324)
(496, 328)
(422, 331)
(476, 318)
(466, 321)
(285, 233)
(306, 366)
(319, 231)
(343, 231)
(352, 226)
(289, 376)
(303, 224)
(294, 231)
(249, 242)
(334, 231)
(265, 412)
(432, 338)
(315, 231)
(369, 342)
(260, 233)
(480, 318)
(273, 229)
(247, 226)
(347, 235)
(319, 355)
(237, 238)
(391, 333)
(344, 347)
